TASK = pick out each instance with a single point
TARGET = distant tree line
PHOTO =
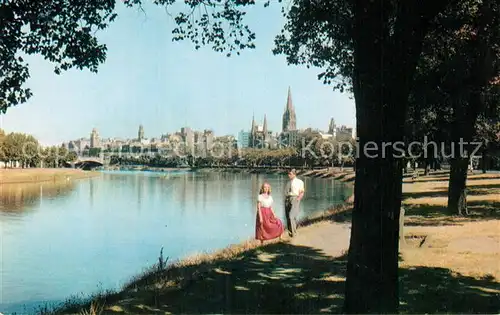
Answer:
(22, 150)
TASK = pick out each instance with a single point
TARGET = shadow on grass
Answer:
(445, 178)
(426, 194)
(276, 278)
(433, 215)
(473, 190)
(287, 279)
(437, 290)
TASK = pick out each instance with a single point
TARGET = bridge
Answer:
(86, 162)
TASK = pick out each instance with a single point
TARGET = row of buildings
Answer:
(185, 138)
(259, 136)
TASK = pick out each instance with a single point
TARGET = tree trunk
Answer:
(457, 196)
(402, 240)
(482, 71)
(484, 159)
(384, 66)
(372, 269)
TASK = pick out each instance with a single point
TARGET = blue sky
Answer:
(148, 79)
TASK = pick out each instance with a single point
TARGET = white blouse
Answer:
(265, 201)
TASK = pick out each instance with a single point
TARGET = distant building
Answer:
(224, 145)
(94, 139)
(342, 133)
(243, 139)
(187, 135)
(140, 134)
(290, 138)
(332, 127)
(208, 138)
(79, 145)
(260, 135)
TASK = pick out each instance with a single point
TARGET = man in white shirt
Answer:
(293, 195)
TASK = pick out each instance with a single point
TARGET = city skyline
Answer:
(149, 80)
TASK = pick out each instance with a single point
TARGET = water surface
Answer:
(75, 237)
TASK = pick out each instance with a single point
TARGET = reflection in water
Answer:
(15, 198)
(91, 192)
(106, 229)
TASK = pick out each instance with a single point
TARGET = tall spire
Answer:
(253, 122)
(289, 119)
(289, 103)
(264, 127)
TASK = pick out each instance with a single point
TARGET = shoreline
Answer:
(42, 175)
(345, 175)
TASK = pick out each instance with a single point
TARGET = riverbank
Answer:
(145, 168)
(37, 175)
(345, 174)
(449, 264)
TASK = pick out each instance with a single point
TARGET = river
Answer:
(81, 236)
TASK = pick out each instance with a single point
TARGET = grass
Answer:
(467, 246)
(448, 264)
(36, 175)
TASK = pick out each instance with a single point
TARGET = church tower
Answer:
(332, 127)
(265, 136)
(253, 132)
(289, 118)
(94, 139)
(140, 133)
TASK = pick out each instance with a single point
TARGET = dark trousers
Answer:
(291, 212)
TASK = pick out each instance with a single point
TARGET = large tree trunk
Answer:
(384, 68)
(457, 196)
(372, 271)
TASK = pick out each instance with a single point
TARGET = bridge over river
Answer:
(86, 162)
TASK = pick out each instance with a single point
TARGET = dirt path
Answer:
(330, 238)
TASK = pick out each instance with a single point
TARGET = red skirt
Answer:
(271, 226)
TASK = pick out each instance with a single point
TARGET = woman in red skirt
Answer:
(267, 226)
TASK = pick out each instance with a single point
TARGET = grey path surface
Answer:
(329, 237)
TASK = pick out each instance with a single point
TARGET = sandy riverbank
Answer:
(35, 175)
(449, 264)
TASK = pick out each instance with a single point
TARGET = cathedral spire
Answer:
(289, 119)
(289, 103)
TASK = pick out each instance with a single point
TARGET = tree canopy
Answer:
(62, 31)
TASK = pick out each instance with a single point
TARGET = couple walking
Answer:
(268, 226)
